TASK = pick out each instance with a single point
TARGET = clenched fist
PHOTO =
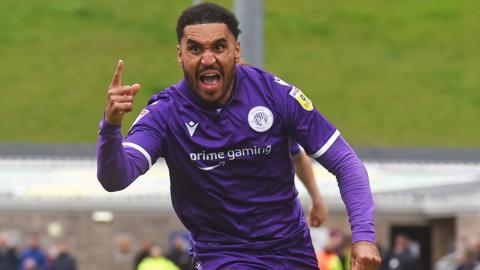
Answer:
(318, 213)
(365, 256)
(119, 98)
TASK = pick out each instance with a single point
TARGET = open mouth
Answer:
(210, 79)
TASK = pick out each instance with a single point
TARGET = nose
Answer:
(208, 58)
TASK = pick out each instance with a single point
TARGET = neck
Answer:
(227, 95)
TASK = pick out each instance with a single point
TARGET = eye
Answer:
(194, 49)
(219, 47)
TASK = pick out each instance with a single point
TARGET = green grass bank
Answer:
(387, 73)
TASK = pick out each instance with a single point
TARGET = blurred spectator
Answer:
(466, 260)
(447, 262)
(29, 264)
(52, 253)
(476, 251)
(381, 250)
(345, 252)
(8, 255)
(179, 255)
(156, 261)
(142, 254)
(451, 260)
(64, 260)
(328, 258)
(414, 248)
(33, 251)
(400, 257)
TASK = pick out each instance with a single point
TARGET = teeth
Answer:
(210, 78)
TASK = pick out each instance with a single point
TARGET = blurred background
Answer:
(400, 80)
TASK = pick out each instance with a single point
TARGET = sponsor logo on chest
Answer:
(260, 119)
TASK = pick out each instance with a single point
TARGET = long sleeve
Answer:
(354, 186)
(117, 167)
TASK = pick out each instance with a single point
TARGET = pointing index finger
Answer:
(117, 77)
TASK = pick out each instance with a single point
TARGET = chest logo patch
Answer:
(260, 118)
(301, 98)
(191, 127)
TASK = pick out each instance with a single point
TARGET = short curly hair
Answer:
(207, 13)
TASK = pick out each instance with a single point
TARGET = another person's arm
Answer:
(304, 170)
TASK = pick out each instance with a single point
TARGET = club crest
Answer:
(260, 118)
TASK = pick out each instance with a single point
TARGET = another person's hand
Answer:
(318, 214)
(119, 98)
(365, 256)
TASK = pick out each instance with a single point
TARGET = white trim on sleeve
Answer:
(141, 150)
(327, 145)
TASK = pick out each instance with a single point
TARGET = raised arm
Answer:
(116, 167)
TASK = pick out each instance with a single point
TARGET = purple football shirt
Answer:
(294, 148)
(231, 173)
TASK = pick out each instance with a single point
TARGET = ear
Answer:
(179, 54)
(238, 52)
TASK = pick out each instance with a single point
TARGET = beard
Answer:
(228, 80)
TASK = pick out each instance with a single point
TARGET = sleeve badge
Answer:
(301, 98)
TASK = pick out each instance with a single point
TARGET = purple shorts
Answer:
(299, 255)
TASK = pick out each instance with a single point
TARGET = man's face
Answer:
(207, 54)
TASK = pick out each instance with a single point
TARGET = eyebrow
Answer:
(220, 40)
(192, 42)
(217, 41)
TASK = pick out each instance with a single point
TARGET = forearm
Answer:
(304, 171)
(116, 167)
(354, 186)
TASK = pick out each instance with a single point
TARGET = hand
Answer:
(119, 98)
(365, 256)
(318, 214)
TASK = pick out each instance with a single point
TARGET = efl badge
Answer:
(260, 118)
(301, 98)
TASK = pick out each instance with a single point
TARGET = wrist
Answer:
(105, 127)
(364, 237)
(112, 122)
(317, 201)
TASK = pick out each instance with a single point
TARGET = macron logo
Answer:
(191, 126)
